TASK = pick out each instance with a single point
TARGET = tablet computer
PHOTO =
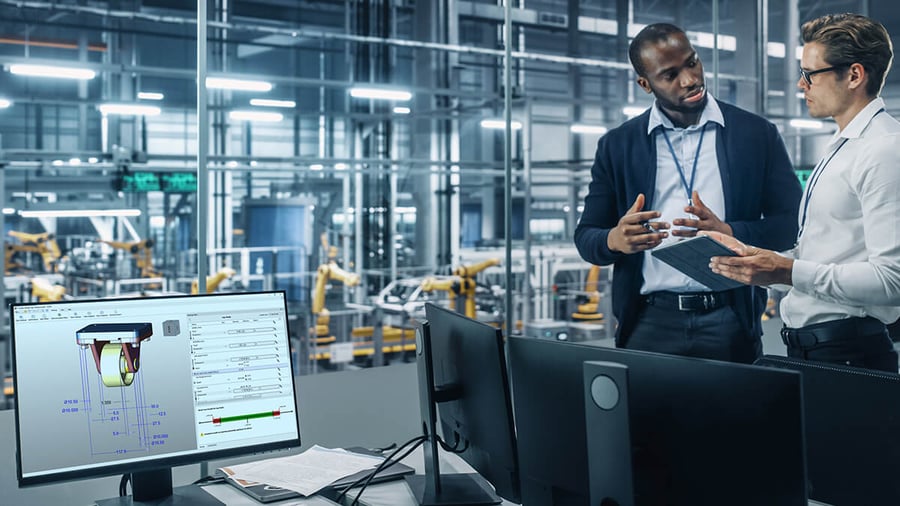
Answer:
(691, 256)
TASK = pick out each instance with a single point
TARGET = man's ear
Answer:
(858, 76)
(644, 84)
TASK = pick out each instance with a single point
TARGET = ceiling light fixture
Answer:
(581, 128)
(499, 124)
(150, 95)
(811, 124)
(4, 103)
(402, 110)
(22, 69)
(633, 110)
(380, 93)
(224, 83)
(265, 102)
(80, 213)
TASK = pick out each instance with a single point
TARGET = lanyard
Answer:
(814, 179)
(688, 186)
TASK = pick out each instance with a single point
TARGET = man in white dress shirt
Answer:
(845, 269)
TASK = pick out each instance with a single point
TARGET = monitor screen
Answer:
(852, 422)
(471, 387)
(138, 384)
(702, 432)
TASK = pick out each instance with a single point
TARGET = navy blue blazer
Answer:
(762, 198)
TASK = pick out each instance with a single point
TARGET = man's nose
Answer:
(688, 79)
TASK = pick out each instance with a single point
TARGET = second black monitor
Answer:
(702, 432)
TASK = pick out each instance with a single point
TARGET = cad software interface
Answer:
(116, 381)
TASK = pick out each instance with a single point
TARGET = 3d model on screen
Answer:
(116, 348)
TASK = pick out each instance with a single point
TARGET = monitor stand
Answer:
(435, 489)
(154, 488)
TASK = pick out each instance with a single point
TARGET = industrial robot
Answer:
(588, 311)
(328, 271)
(213, 281)
(142, 252)
(462, 283)
(43, 244)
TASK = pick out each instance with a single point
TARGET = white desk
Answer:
(368, 408)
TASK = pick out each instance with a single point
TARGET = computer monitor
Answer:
(702, 432)
(139, 385)
(852, 427)
(464, 388)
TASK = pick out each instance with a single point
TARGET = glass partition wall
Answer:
(366, 156)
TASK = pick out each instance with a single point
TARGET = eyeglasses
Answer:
(807, 75)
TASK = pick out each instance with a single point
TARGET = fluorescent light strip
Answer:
(265, 102)
(51, 71)
(9, 210)
(270, 117)
(633, 110)
(380, 94)
(499, 124)
(402, 110)
(4, 103)
(129, 109)
(80, 213)
(580, 128)
(223, 83)
(150, 95)
(811, 124)
(316, 166)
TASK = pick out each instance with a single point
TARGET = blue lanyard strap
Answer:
(687, 185)
(814, 179)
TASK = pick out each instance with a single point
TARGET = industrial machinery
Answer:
(588, 311)
(328, 271)
(43, 244)
(142, 252)
(45, 291)
(213, 281)
(461, 284)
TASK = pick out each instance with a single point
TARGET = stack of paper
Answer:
(306, 473)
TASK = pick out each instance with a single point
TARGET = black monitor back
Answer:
(703, 432)
(469, 355)
(852, 432)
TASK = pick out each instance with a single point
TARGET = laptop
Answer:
(268, 493)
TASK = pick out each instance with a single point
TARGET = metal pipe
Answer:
(202, 146)
(507, 160)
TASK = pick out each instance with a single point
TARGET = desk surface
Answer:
(369, 408)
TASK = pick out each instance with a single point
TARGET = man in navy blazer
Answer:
(646, 185)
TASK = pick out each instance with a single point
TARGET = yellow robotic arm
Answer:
(43, 243)
(46, 291)
(469, 271)
(142, 252)
(213, 282)
(328, 272)
(588, 310)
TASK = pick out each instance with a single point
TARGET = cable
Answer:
(123, 484)
(378, 468)
(383, 465)
(455, 448)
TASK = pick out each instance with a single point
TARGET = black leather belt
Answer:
(697, 301)
(836, 330)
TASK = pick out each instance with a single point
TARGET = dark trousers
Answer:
(714, 334)
(857, 342)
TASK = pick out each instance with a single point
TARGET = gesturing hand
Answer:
(631, 234)
(705, 220)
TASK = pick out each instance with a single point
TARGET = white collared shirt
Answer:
(848, 254)
(669, 194)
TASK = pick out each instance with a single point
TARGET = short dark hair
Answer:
(650, 34)
(852, 38)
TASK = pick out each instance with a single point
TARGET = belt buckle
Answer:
(683, 304)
